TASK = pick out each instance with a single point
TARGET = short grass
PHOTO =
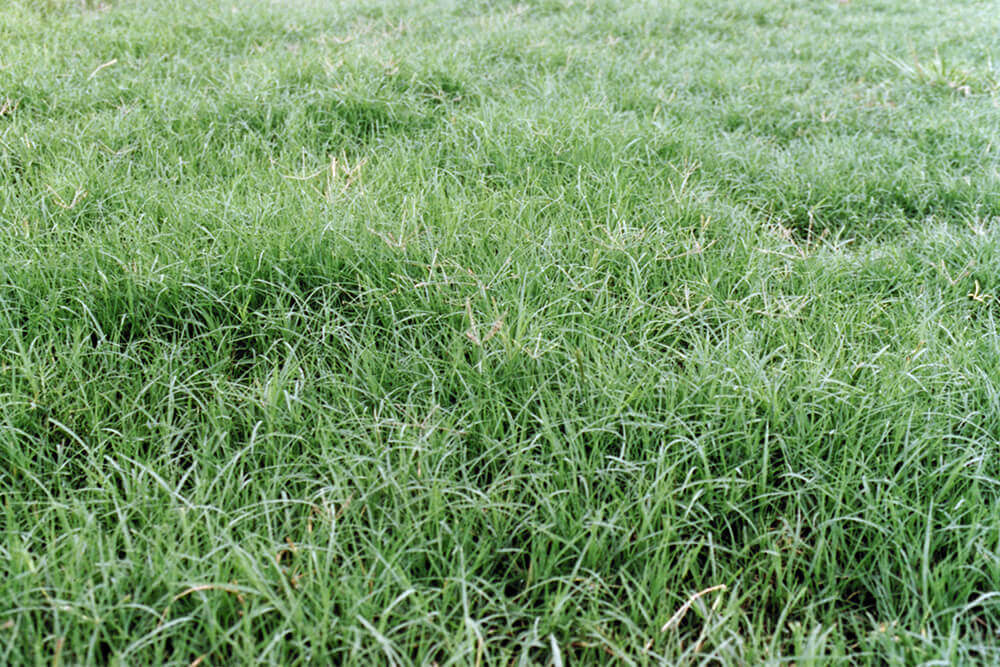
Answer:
(491, 333)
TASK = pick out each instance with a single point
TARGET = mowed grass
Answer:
(492, 333)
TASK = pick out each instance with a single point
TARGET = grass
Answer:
(492, 333)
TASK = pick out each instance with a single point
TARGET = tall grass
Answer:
(490, 333)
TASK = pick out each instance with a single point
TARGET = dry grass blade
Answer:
(102, 67)
(679, 614)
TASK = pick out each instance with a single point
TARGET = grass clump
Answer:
(498, 333)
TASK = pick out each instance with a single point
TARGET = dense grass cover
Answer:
(494, 333)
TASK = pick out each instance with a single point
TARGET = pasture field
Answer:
(499, 333)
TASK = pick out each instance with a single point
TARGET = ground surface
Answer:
(483, 333)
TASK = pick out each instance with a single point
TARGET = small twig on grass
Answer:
(679, 614)
(100, 67)
(205, 587)
(978, 295)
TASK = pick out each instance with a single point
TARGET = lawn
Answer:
(490, 333)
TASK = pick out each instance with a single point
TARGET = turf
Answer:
(491, 333)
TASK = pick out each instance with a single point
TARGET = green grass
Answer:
(491, 333)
